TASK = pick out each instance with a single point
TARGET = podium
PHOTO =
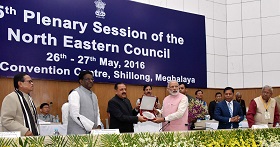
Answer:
(147, 126)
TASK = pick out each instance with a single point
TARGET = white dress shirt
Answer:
(65, 112)
(231, 107)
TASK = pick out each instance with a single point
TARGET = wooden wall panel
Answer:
(57, 93)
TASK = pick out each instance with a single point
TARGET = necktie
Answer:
(229, 108)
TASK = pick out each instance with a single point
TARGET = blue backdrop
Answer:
(119, 40)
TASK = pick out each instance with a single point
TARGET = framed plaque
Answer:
(147, 107)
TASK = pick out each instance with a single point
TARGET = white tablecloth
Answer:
(213, 124)
(147, 126)
(48, 129)
(206, 124)
(244, 124)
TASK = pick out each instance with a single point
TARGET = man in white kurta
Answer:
(174, 110)
(83, 104)
(65, 113)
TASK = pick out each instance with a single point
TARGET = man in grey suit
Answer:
(18, 112)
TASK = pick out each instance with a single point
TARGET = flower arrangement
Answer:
(218, 138)
(197, 110)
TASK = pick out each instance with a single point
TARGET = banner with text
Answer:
(119, 40)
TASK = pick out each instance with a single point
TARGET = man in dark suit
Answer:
(238, 98)
(228, 112)
(183, 89)
(122, 116)
(212, 104)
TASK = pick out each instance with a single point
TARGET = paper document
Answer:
(261, 126)
(105, 131)
(15, 134)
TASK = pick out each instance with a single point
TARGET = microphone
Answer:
(82, 124)
(164, 126)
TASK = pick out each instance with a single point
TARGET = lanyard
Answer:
(265, 104)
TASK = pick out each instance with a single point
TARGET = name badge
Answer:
(266, 115)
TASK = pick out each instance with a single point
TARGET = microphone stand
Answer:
(164, 126)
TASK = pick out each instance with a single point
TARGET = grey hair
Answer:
(267, 87)
(238, 93)
(172, 81)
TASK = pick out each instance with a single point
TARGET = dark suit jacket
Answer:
(243, 106)
(211, 109)
(122, 116)
(222, 114)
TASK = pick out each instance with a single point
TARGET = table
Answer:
(48, 129)
(206, 125)
(147, 126)
(244, 124)
(213, 124)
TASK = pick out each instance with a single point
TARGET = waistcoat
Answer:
(260, 112)
(88, 108)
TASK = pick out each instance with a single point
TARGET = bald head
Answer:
(238, 96)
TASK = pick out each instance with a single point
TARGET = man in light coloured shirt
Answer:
(45, 113)
(65, 113)
(148, 91)
(174, 110)
(199, 97)
(84, 113)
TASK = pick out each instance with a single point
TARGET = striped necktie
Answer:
(229, 108)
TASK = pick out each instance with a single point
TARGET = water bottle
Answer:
(56, 132)
(57, 118)
(240, 125)
(53, 119)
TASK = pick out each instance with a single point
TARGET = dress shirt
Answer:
(46, 118)
(74, 102)
(65, 112)
(231, 107)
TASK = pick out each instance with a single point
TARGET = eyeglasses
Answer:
(29, 81)
(89, 79)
